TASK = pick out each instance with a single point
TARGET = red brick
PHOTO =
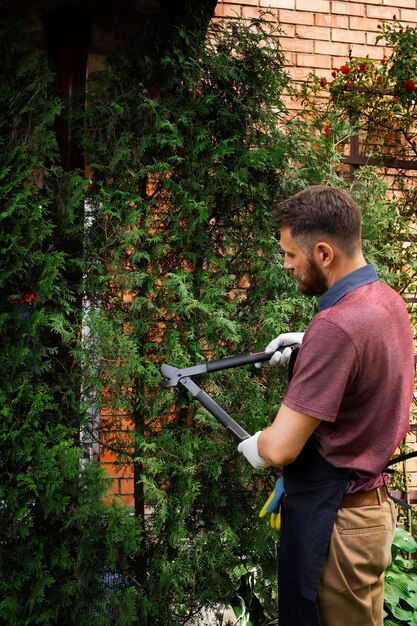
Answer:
(348, 8)
(227, 10)
(403, 4)
(412, 465)
(297, 73)
(348, 36)
(296, 17)
(250, 12)
(123, 470)
(107, 456)
(128, 500)
(290, 57)
(277, 4)
(408, 16)
(372, 52)
(338, 61)
(115, 488)
(371, 40)
(380, 13)
(331, 48)
(320, 6)
(254, 3)
(294, 105)
(127, 486)
(288, 30)
(364, 24)
(332, 21)
(297, 45)
(313, 61)
(313, 32)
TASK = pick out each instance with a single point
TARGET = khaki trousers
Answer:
(351, 591)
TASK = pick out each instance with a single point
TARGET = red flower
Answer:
(334, 73)
(327, 129)
(363, 68)
(323, 81)
(345, 69)
(409, 86)
(29, 298)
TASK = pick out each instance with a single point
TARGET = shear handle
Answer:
(236, 361)
(224, 418)
(216, 410)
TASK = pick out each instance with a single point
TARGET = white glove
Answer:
(286, 339)
(249, 448)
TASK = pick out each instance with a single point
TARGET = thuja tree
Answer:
(188, 158)
(57, 534)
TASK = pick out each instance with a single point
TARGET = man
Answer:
(344, 413)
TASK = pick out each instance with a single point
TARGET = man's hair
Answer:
(321, 212)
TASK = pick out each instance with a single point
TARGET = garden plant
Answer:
(190, 146)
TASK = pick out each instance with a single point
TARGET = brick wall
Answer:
(319, 34)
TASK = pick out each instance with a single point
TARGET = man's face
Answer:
(310, 278)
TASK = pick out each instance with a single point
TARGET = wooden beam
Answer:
(387, 162)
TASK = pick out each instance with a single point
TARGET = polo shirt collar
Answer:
(358, 278)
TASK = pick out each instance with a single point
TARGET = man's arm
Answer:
(281, 443)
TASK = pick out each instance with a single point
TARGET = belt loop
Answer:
(378, 493)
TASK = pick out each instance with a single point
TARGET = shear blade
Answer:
(170, 373)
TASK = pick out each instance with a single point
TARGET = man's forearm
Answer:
(281, 443)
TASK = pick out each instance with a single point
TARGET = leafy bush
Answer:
(190, 149)
(401, 582)
(56, 531)
(188, 160)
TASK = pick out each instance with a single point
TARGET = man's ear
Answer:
(324, 254)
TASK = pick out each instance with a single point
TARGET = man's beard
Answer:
(313, 282)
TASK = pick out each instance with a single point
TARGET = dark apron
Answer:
(313, 493)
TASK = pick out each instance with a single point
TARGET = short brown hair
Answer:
(319, 212)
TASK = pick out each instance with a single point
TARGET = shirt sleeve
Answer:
(324, 370)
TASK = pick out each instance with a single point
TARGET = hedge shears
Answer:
(174, 376)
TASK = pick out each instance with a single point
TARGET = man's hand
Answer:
(286, 339)
(249, 448)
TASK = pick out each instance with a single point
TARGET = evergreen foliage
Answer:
(56, 532)
(190, 148)
(188, 158)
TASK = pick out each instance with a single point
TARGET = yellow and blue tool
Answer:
(273, 504)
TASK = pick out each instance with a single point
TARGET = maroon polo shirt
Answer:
(355, 373)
